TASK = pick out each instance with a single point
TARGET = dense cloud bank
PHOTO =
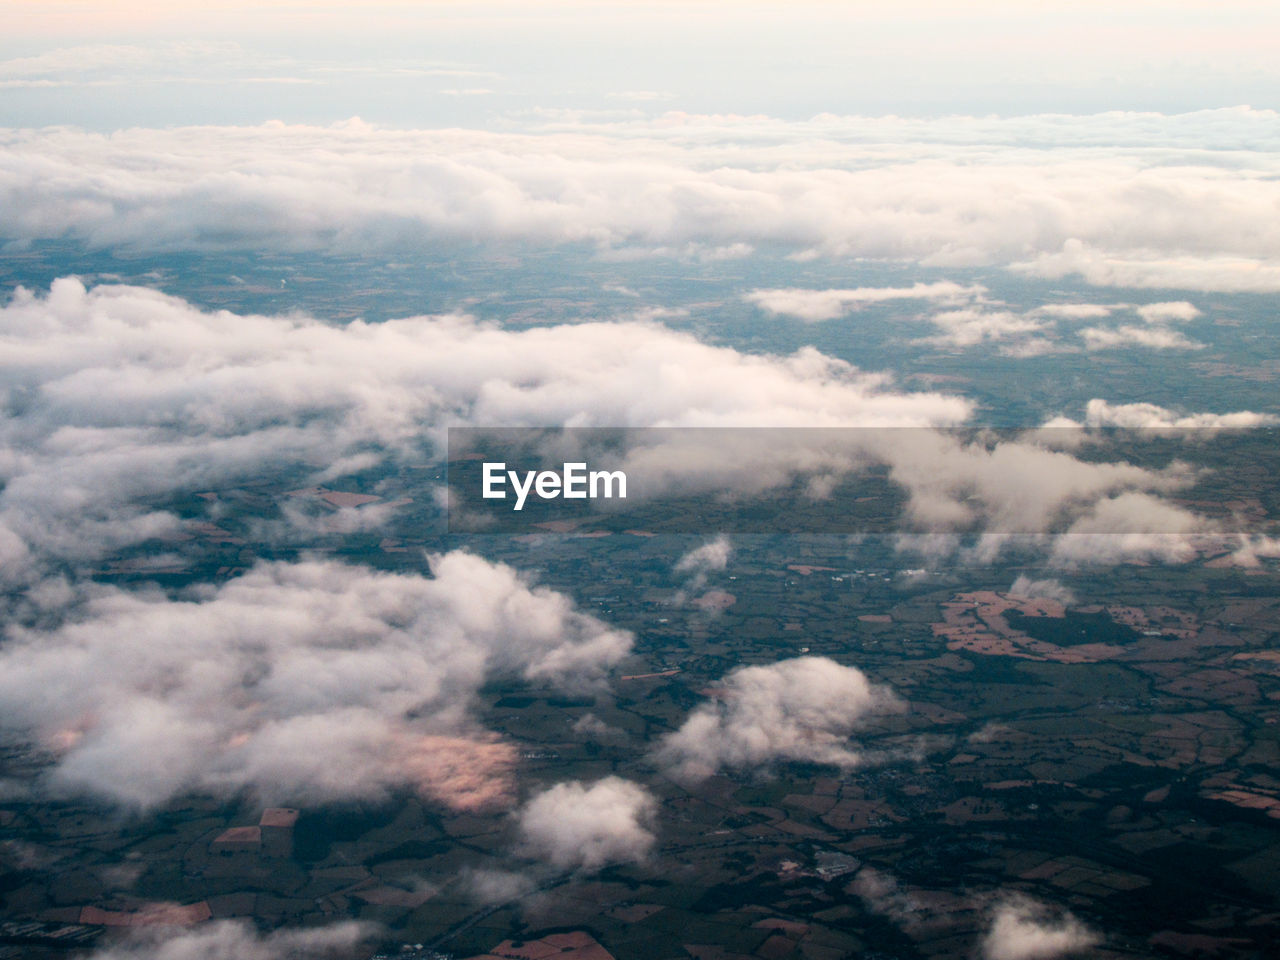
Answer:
(1163, 202)
(302, 682)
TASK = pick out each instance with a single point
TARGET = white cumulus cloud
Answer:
(801, 709)
(587, 826)
(712, 555)
(1025, 930)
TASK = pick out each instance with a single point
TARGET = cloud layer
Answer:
(1167, 210)
(118, 395)
(119, 398)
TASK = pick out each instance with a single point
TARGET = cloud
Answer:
(580, 826)
(237, 940)
(1075, 311)
(917, 912)
(882, 894)
(203, 62)
(697, 563)
(128, 65)
(642, 96)
(1013, 487)
(127, 395)
(1025, 930)
(1156, 335)
(1210, 272)
(1020, 928)
(1176, 312)
(1142, 416)
(497, 886)
(813, 305)
(1045, 196)
(800, 709)
(712, 555)
(1127, 527)
(590, 727)
(923, 914)
(972, 326)
(1156, 338)
(95, 58)
(1249, 549)
(303, 682)
(1026, 588)
(121, 398)
(828, 135)
(974, 320)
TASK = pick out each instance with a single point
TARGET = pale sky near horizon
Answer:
(107, 65)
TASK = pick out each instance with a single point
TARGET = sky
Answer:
(107, 65)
